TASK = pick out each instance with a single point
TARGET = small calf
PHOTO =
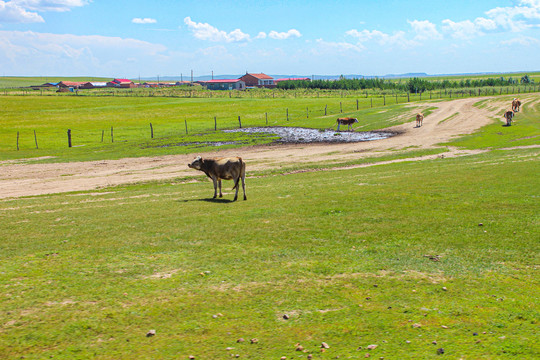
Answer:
(346, 121)
(222, 168)
(419, 119)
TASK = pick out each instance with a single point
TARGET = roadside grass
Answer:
(111, 128)
(345, 254)
(525, 130)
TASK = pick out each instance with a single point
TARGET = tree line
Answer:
(413, 85)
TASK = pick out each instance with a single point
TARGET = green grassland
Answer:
(345, 254)
(412, 257)
(526, 131)
(90, 120)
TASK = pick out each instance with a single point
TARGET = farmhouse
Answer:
(258, 80)
(70, 84)
(222, 84)
(121, 83)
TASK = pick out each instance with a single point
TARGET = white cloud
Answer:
(27, 11)
(71, 54)
(144, 21)
(284, 35)
(204, 31)
(516, 19)
(523, 41)
(261, 35)
(11, 12)
(50, 5)
(398, 38)
(464, 30)
(425, 30)
(333, 47)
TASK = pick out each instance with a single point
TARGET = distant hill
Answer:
(326, 77)
(281, 76)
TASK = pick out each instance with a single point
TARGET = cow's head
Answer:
(196, 164)
(355, 120)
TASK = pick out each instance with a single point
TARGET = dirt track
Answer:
(451, 119)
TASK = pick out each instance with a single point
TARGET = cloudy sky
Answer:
(148, 38)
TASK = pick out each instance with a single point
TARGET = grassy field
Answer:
(90, 120)
(526, 132)
(345, 254)
(416, 258)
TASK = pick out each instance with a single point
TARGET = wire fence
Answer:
(182, 92)
(77, 137)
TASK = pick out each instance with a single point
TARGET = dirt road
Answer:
(451, 119)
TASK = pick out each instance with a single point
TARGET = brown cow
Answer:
(419, 119)
(222, 168)
(346, 121)
(508, 116)
(516, 103)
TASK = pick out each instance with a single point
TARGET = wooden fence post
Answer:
(266, 115)
(307, 112)
(215, 123)
(357, 104)
(17, 141)
(287, 114)
(239, 121)
(151, 131)
(371, 102)
(325, 108)
(185, 123)
(340, 107)
(35, 138)
(408, 96)
(102, 135)
(69, 137)
(384, 99)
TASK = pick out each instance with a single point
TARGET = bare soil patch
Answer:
(449, 120)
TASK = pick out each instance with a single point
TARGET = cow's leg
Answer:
(219, 183)
(338, 126)
(244, 185)
(215, 186)
(236, 186)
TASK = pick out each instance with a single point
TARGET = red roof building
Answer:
(258, 80)
(122, 83)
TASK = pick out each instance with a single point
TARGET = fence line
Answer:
(296, 114)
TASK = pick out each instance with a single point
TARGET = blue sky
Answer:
(150, 38)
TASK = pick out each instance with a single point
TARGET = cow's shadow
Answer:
(210, 200)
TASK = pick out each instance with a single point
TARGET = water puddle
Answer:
(304, 135)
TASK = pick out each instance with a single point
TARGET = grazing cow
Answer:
(222, 168)
(508, 116)
(516, 103)
(346, 121)
(419, 119)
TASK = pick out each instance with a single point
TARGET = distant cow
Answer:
(419, 119)
(516, 103)
(346, 121)
(222, 168)
(508, 116)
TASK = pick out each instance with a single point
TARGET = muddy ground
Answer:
(449, 120)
